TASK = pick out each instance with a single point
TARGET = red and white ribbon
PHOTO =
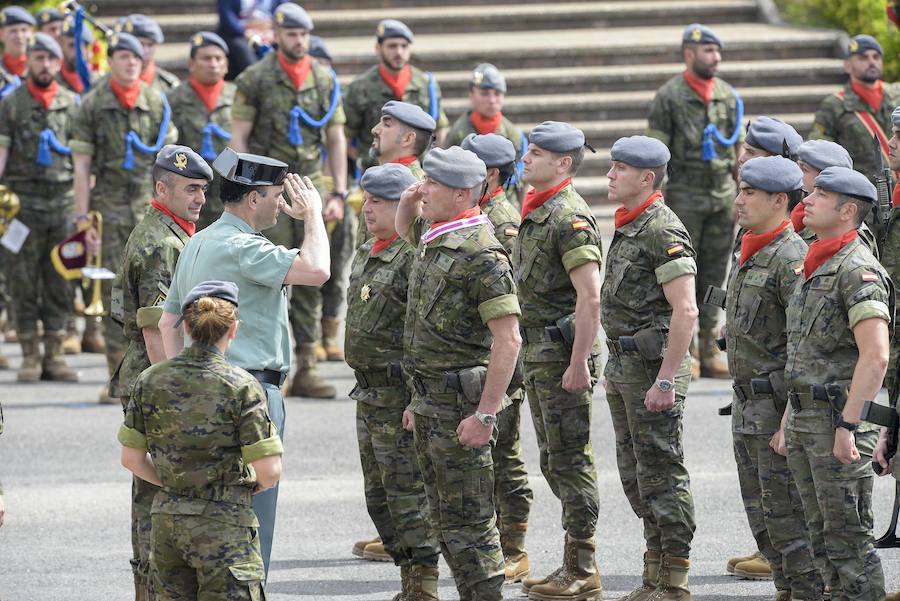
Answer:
(452, 226)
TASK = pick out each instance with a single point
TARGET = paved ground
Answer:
(66, 536)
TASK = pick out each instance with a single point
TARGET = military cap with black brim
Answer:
(642, 152)
(821, 154)
(558, 136)
(860, 44)
(16, 15)
(772, 134)
(772, 174)
(227, 291)
(494, 150)
(68, 31)
(125, 41)
(488, 77)
(183, 161)
(292, 16)
(387, 181)
(49, 15)
(410, 114)
(141, 26)
(697, 33)
(848, 182)
(455, 167)
(249, 169)
(45, 42)
(392, 28)
(204, 39)
(318, 49)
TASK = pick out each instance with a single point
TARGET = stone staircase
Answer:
(596, 64)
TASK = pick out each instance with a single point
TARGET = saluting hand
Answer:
(845, 446)
(413, 194)
(304, 200)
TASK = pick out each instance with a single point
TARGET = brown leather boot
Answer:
(515, 559)
(30, 370)
(92, 339)
(72, 343)
(712, 365)
(893, 597)
(673, 580)
(404, 583)
(54, 364)
(729, 567)
(331, 326)
(307, 382)
(375, 552)
(649, 579)
(321, 355)
(360, 546)
(531, 581)
(756, 568)
(423, 584)
(579, 579)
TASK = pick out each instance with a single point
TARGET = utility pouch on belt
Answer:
(722, 343)
(879, 414)
(469, 382)
(649, 343)
(395, 371)
(834, 394)
(778, 388)
(714, 296)
(566, 327)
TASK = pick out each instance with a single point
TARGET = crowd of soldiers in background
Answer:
(798, 325)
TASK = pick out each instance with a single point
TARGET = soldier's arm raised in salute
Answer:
(682, 297)
(312, 266)
(408, 210)
(586, 280)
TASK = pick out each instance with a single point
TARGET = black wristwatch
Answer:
(343, 195)
(841, 423)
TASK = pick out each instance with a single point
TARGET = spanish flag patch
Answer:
(511, 231)
(868, 276)
(798, 269)
(580, 224)
(674, 250)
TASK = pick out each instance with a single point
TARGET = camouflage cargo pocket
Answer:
(250, 576)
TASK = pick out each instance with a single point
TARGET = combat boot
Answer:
(757, 568)
(893, 597)
(375, 552)
(331, 326)
(729, 567)
(531, 581)
(579, 579)
(72, 343)
(30, 370)
(54, 364)
(711, 363)
(360, 546)
(423, 584)
(649, 579)
(673, 580)
(515, 559)
(321, 355)
(404, 583)
(92, 339)
(784, 596)
(306, 382)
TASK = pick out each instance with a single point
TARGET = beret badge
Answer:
(181, 161)
(696, 34)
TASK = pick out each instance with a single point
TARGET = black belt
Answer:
(758, 387)
(377, 378)
(268, 376)
(545, 334)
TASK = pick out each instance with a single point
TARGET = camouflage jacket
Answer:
(376, 307)
(22, 119)
(756, 329)
(204, 421)
(365, 96)
(140, 289)
(99, 130)
(837, 120)
(458, 283)
(265, 96)
(504, 217)
(553, 239)
(890, 249)
(678, 117)
(462, 127)
(8, 82)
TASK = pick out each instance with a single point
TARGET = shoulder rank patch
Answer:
(798, 269)
(580, 224)
(868, 276)
(675, 249)
(511, 231)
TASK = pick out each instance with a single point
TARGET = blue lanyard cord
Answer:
(132, 139)
(433, 107)
(81, 65)
(10, 87)
(207, 151)
(520, 166)
(48, 141)
(297, 113)
(711, 132)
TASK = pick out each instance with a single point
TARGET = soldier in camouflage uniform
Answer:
(212, 444)
(376, 305)
(42, 178)
(460, 343)
(115, 107)
(512, 494)
(180, 177)
(149, 33)
(201, 110)
(890, 244)
(556, 257)
(68, 75)
(648, 310)
(264, 121)
(764, 276)
(837, 354)
(701, 188)
(50, 21)
(393, 78)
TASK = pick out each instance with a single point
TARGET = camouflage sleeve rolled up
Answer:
(246, 97)
(578, 241)
(258, 435)
(866, 294)
(672, 252)
(492, 286)
(133, 433)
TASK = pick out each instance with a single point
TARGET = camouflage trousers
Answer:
(142, 493)
(512, 494)
(194, 557)
(562, 423)
(710, 223)
(395, 493)
(36, 290)
(459, 484)
(771, 500)
(837, 504)
(115, 235)
(649, 452)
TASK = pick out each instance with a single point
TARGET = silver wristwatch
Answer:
(665, 385)
(486, 419)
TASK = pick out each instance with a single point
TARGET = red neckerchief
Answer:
(149, 74)
(209, 94)
(702, 87)
(189, 227)
(43, 96)
(535, 199)
(797, 214)
(407, 160)
(398, 81)
(872, 96)
(15, 64)
(624, 216)
(127, 96)
(380, 245)
(490, 195)
(485, 125)
(297, 72)
(473, 212)
(753, 243)
(895, 198)
(72, 78)
(822, 250)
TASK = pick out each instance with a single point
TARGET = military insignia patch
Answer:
(674, 250)
(380, 30)
(696, 34)
(45, 17)
(198, 39)
(511, 231)
(364, 293)
(580, 224)
(279, 18)
(66, 26)
(129, 26)
(2, 19)
(181, 161)
(854, 45)
(477, 77)
(868, 276)
(114, 40)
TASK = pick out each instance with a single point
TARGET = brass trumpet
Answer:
(95, 271)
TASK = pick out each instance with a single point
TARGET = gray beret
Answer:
(455, 167)
(557, 136)
(895, 117)
(821, 154)
(488, 77)
(847, 181)
(292, 16)
(318, 49)
(43, 41)
(183, 161)
(696, 33)
(387, 181)
(249, 169)
(770, 134)
(202, 39)
(87, 36)
(125, 41)
(16, 15)
(772, 174)
(215, 288)
(410, 114)
(494, 150)
(640, 151)
(859, 44)
(49, 15)
(392, 28)
(141, 26)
